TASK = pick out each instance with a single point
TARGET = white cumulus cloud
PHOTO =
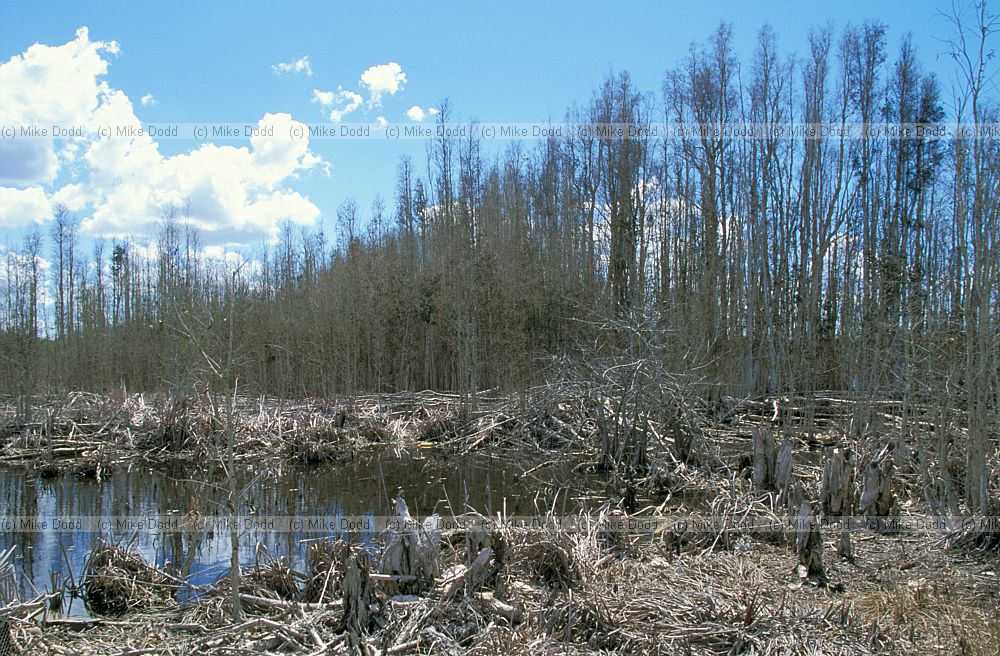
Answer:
(381, 80)
(415, 113)
(338, 104)
(148, 100)
(20, 207)
(300, 65)
(122, 186)
(45, 86)
(236, 192)
(323, 97)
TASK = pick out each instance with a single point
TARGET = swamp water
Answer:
(367, 486)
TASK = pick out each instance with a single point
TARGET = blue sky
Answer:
(512, 61)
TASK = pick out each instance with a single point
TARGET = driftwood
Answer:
(512, 614)
(577, 595)
(979, 533)
(281, 604)
(117, 580)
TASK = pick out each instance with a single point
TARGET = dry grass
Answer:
(117, 580)
(325, 571)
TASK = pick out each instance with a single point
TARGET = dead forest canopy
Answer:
(757, 266)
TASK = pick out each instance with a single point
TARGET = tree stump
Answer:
(764, 456)
(809, 543)
(837, 488)
(844, 548)
(877, 499)
(783, 471)
(358, 595)
(713, 399)
(476, 539)
(412, 550)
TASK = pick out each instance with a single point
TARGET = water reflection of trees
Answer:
(360, 487)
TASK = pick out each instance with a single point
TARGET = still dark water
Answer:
(366, 486)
